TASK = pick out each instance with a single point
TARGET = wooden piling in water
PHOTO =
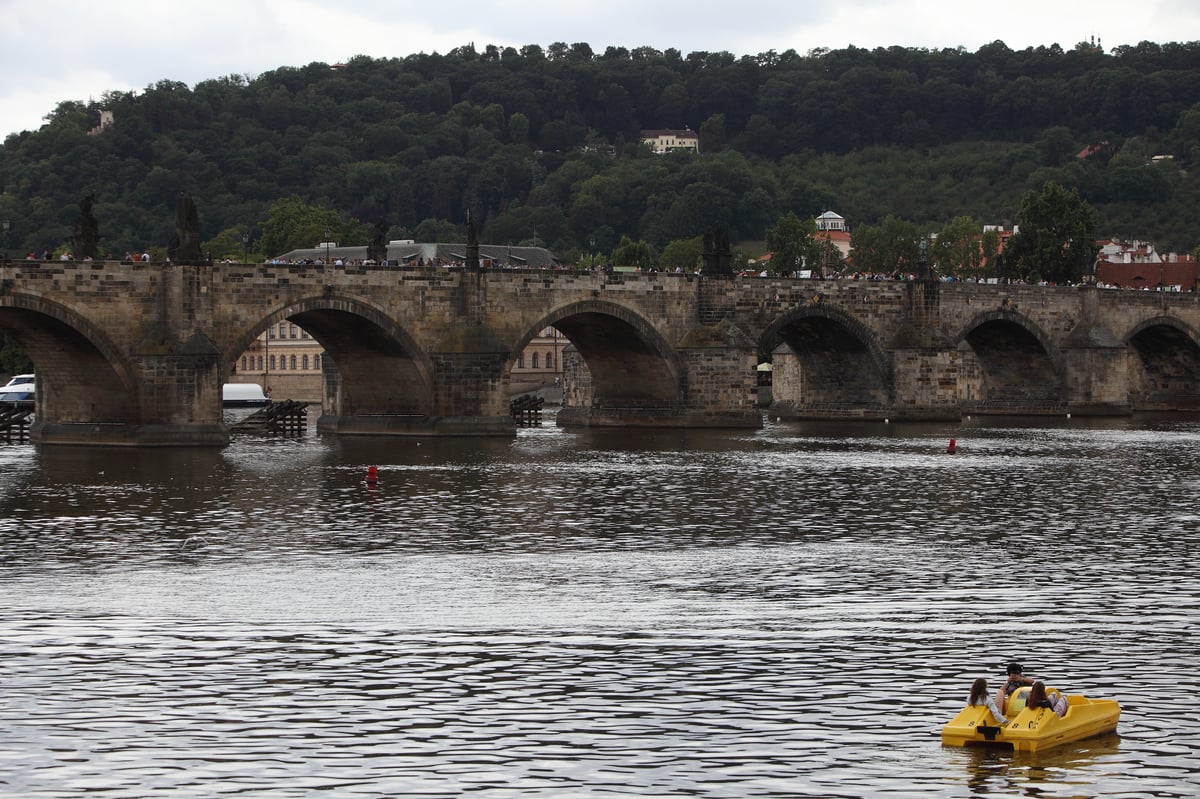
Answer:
(14, 425)
(286, 418)
(527, 410)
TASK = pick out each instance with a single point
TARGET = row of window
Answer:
(254, 363)
(549, 361)
(251, 363)
(287, 330)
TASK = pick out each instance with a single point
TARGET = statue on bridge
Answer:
(472, 245)
(1004, 266)
(185, 242)
(924, 272)
(377, 249)
(86, 235)
(717, 254)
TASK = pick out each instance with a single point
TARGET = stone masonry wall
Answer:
(156, 340)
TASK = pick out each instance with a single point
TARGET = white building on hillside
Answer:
(665, 141)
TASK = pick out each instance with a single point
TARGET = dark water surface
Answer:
(791, 612)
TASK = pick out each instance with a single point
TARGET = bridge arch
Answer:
(1165, 375)
(372, 365)
(81, 375)
(1009, 365)
(626, 364)
(826, 361)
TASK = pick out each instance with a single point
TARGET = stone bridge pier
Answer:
(935, 368)
(112, 378)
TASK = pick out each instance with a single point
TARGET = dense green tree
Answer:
(793, 245)
(829, 257)
(231, 243)
(529, 225)
(693, 209)
(1057, 237)
(891, 247)
(634, 253)
(682, 254)
(1132, 180)
(712, 134)
(1056, 145)
(518, 128)
(438, 231)
(930, 134)
(958, 248)
(292, 224)
(1184, 138)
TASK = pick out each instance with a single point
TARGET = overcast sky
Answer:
(56, 50)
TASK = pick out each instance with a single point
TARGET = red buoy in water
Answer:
(952, 447)
(372, 476)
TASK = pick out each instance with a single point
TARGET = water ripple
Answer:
(789, 613)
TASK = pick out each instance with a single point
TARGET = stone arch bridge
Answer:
(136, 354)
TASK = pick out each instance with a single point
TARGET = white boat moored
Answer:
(235, 395)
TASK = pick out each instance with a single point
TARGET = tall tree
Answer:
(682, 254)
(892, 246)
(1057, 237)
(633, 253)
(292, 223)
(793, 245)
(958, 250)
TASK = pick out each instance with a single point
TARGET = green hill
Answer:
(542, 146)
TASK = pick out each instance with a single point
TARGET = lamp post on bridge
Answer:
(245, 248)
(5, 226)
(327, 235)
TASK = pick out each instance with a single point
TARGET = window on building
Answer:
(293, 331)
(317, 362)
(521, 361)
(304, 362)
(244, 359)
(273, 362)
(535, 360)
(293, 363)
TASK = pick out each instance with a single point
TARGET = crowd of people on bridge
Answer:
(421, 262)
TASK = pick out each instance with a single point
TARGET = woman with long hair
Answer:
(1038, 697)
(979, 697)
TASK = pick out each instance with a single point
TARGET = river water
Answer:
(780, 613)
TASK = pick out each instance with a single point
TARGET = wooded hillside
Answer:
(541, 146)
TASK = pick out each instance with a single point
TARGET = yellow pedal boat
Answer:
(1032, 729)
